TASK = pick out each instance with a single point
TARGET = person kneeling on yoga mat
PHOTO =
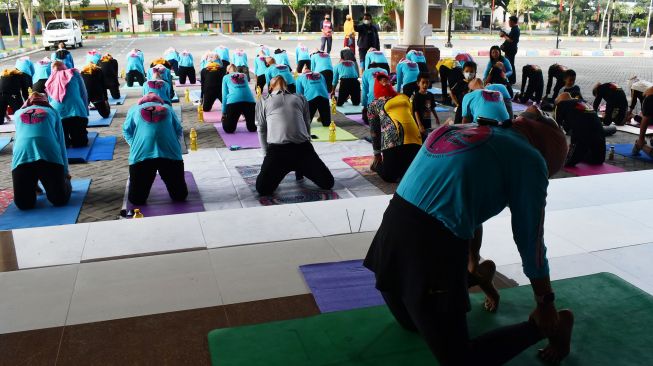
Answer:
(39, 155)
(164, 70)
(485, 104)
(396, 137)
(152, 130)
(616, 104)
(238, 100)
(63, 55)
(424, 273)
(42, 71)
(67, 95)
(13, 91)
(533, 77)
(284, 130)
(645, 120)
(346, 74)
(158, 86)
(96, 90)
(186, 68)
(26, 66)
(275, 70)
(135, 68)
(367, 88)
(172, 56)
(407, 72)
(583, 124)
(313, 87)
(109, 66)
(321, 62)
(212, 76)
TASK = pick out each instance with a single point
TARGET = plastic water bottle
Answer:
(193, 139)
(187, 95)
(333, 106)
(29, 90)
(258, 92)
(200, 114)
(138, 214)
(611, 154)
(122, 73)
(332, 132)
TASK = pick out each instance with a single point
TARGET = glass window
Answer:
(58, 25)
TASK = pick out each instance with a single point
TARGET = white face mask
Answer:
(366, 21)
(469, 75)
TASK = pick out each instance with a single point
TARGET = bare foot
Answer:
(560, 343)
(485, 273)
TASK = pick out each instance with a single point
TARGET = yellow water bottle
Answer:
(332, 132)
(122, 73)
(187, 95)
(295, 74)
(138, 214)
(258, 92)
(193, 139)
(200, 113)
(333, 105)
(29, 90)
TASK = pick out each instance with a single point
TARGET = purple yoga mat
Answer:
(188, 84)
(358, 118)
(242, 137)
(160, 204)
(338, 286)
(518, 107)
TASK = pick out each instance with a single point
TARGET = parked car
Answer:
(62, 30)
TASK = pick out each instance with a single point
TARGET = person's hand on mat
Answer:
(485, 274)
(546, 318)
(378, 159)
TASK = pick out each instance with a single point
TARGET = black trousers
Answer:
(39, 86)
(510, 55)
(384, 66)
(582, 149)
(535, 88)
(244, 70)
(6, 100)
(209, 98)
(320, 104)
(102, 107)
(444, 80)
(285, 158)
(634, 97)
(328, 77)
(114, 89)
(422, 67)
(396, 161)
(260, 82)
(174, 65)
(423, 278)
(615, 113)
(234, 112)
(326, 41)
(142, 175)
(187, 72)
(74, 130)
(301, 64)
(349, 88)
(560, 82)
(134, 75)
(495, 78)
(52, 176)
(410, 88)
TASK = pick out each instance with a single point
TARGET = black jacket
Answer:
(109, 71)
(94, 82)
(14, 83)
(368, 36)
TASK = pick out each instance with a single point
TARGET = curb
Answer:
(555, 53)
(18, 52)
(151, 35)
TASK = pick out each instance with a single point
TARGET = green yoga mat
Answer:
(322, 134)
(613, 327)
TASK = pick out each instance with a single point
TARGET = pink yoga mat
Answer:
(242, 137)
(583, 169)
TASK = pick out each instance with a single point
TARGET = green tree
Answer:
(28, 13)
(47, 6)
(394, 7)
(261, 9)
(295, 7)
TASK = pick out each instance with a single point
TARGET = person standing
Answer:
(510, 44)
(327, 34)
(368, 37)
(350, 34)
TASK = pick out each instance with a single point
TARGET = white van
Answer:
(62, 30)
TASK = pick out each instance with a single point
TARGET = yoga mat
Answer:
(4, 141)
(188, 84)
(242, 137)
(322, 133)
(7, 127)
(175, 99)
(80, 154)
(349, 108)
(633, 130)
(213, 116)
(342, 286)
(95, 120)
(160, 204)
(436, 91)
(119, 101)
(443, 109)
(518, 107)
(289, 191)
(135, 86)
(627, 151)
(102, 149)
(362, 165)
(583, 169)
(195, 95)
(6, 198)
(358, 118)
(44, 214)
(612, 328)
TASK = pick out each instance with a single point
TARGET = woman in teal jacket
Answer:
(67, 95)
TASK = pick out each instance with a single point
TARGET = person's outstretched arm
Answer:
(262, 124)
(508, 66)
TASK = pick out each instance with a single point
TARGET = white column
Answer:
(416, 13)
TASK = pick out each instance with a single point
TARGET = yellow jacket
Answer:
(349, 27)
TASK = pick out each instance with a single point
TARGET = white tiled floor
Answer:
(50, 246)
(146, 285)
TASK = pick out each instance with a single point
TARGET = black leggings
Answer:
(423, 68)
(320, 104)
(187, 71)
(234, 112)
(634, 97)
(260, 82)
(410, 89)
(445, 73)
(142, 175)
(396, 161)
(560, 81)
(282, 159)
(102, 107)
(114, 89)
(134, 75)
(39, 86)
(13, 101)
(349, 87)
(328, 77)
(535, 81)
(53, 177)
(301, 64)
(615, 113)
(174, 65)
(587, 149)
(74, 130)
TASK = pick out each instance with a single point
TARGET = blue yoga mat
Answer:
(95, 120)
(80, 154)
(102, 149)
(626, 150)
(44, 214)
(135, 86)
(338, 286)
(436, 91)
(175, 99)
(443, 109)
(349, 108)
(4, 141)
(118, 101)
